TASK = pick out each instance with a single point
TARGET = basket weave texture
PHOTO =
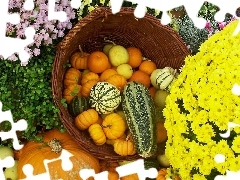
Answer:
(157, 42)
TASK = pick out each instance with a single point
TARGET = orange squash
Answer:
(124, 147)
(72, 76)
(117, 80)
(162, 174)
(98, 62)
(79, 59)
(89, 76)
(86, 119)
(107, 73)
(86, 88)
(54, 141)
(130, 177)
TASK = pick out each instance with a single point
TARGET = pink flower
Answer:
(13, 57)
(46, 30)
(221, 24)
(208, 25)
(36, 51)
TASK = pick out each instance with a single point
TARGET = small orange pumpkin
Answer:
(107, 73)
(18, 153)
(97, 134)
(111, 168)
(111, 141)
(86, 119)
(124, 147)
(72, 76)
(117, 80)
(79, 59)
(114, 126)
(86, 88)
(53, 142)
(71, 91)
(162, 174)
(89, 76)
(98, 62)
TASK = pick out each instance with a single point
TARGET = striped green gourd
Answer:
(104, 97)
(139, 109)
(78, 105)
(165, 77)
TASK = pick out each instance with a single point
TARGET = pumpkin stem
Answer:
(81, 51)
(55, 145)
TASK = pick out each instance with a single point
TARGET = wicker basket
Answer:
(157, 42)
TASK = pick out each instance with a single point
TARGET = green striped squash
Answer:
(78, 105)
(139, 109)
(165, 77)
(104, 97)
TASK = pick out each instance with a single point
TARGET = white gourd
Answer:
(165, 77)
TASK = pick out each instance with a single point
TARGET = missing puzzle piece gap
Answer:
(75, 4)
(28, 5)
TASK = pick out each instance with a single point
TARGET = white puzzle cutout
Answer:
(13, 45)
(192, 9)
(124, 170)
(21, 125)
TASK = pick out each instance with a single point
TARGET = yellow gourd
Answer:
(97, 134)
(114, 126)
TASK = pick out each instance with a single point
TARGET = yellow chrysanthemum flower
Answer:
(201, 104)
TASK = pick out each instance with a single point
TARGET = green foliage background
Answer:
(26, 91)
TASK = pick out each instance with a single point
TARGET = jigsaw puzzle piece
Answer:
(75, 4)
(193, 11)
(28, 5)
(116, 5)
(66, 165)
(6, 17)
(28, 171)
(5, 163)
(11, 134)
(13, 45)
(229, 176)
(236, 89)
(52, 14)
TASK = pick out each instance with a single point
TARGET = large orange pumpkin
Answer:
(34, 153)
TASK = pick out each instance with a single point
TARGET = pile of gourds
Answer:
(117, 107)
